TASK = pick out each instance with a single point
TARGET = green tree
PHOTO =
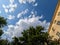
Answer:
(1, 32)
(34, 36)
(2, 24)
(16, 41)
(3, 42)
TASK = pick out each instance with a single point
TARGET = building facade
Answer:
(54, 29)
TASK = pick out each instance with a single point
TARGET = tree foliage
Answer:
(34, 36)
(1, 32)
(31, 36)
(2, 22)
(3, 42)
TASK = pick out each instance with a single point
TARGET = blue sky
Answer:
(21, 14)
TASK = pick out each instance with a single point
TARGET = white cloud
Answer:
(15, 30)
(22, 13)
(3, 6)
(0, 12)
(33, 14)
(10, 17)
(22, 1)
(11, 7)
(6, 10)
(31, 1)
(25, 1)
(36, 4)
(11, 1)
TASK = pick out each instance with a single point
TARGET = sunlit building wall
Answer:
(54, 29)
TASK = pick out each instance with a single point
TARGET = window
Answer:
(58, 22)
(53, 29)
(55, 21)
(58, 13)
(58, 34)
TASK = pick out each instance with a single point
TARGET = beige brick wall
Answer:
(54, 29)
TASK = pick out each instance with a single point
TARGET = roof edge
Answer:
(54, 15)
(59, 1)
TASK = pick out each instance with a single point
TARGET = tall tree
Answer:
(34, 36)
(3, 42)
(3, 23)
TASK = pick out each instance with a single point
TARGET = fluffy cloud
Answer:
(10, 17)
(10, 8)
(0, 12)
(22, 13)
(36, 4)
(11, 1)
(22, 24)
(25, 1)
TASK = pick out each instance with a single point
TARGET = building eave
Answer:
(54, 15)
